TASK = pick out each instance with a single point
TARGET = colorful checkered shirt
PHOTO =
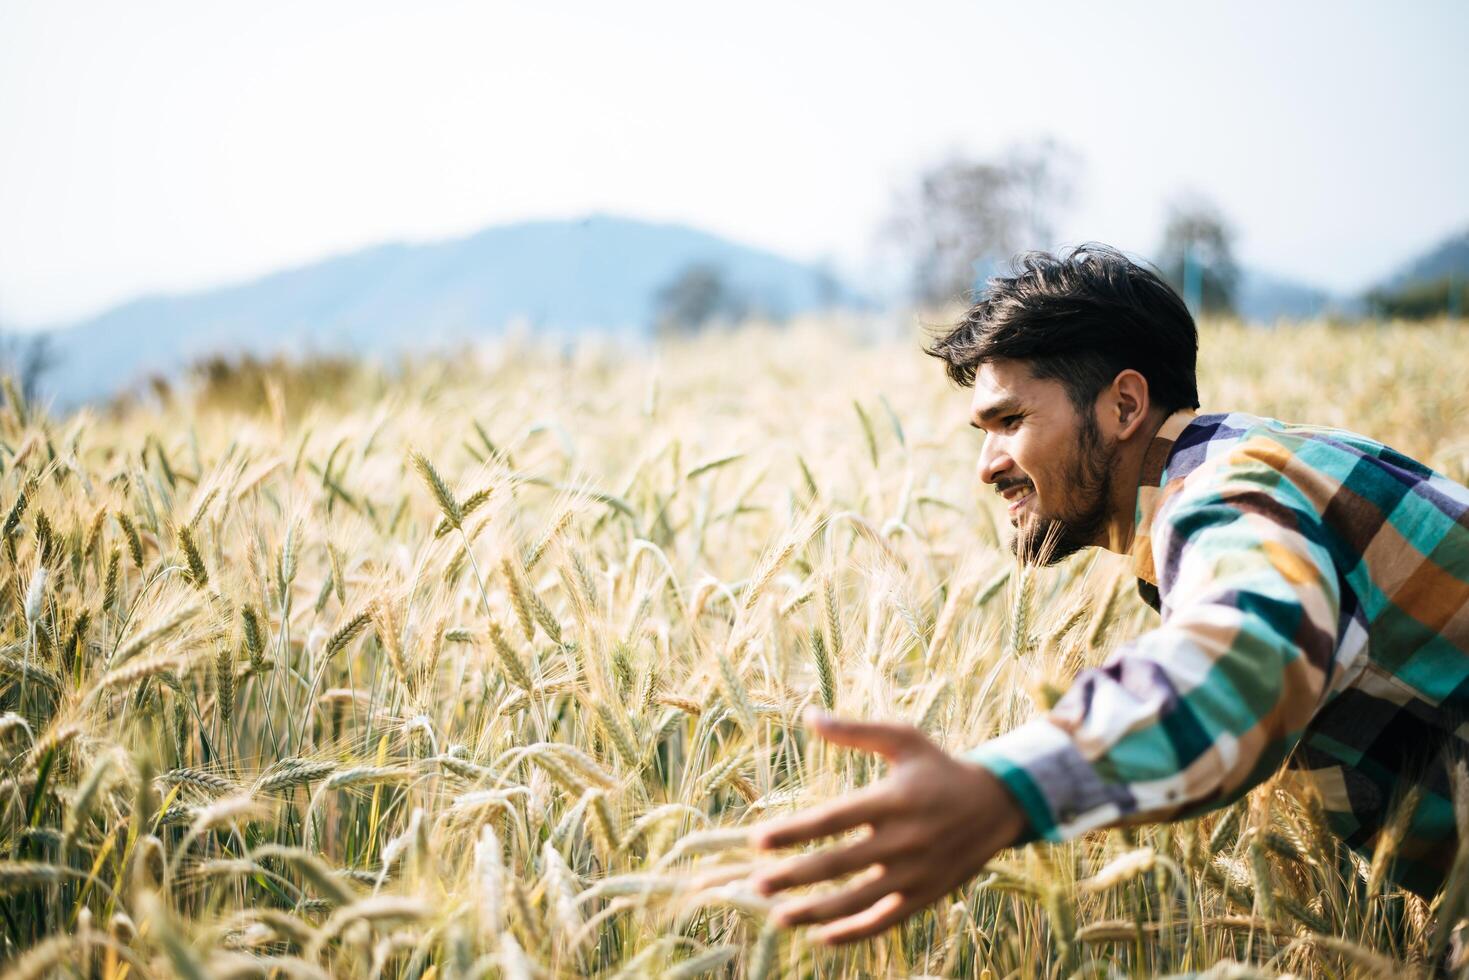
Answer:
(1314, 592)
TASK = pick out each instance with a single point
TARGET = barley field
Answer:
(476, 666)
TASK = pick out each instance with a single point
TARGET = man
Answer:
(1313, 586)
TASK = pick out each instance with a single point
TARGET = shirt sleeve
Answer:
(1192, 714)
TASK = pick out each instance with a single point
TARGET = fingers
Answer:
(857, 896)
(883, 914)
(852, 810)
(832, 862)
(889, 739)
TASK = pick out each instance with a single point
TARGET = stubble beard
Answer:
(1049, 540)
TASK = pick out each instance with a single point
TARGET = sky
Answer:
(164, 146)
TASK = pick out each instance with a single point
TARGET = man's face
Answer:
(1046, 459)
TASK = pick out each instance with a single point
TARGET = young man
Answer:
(1313, 586)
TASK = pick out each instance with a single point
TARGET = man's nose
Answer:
(993, 459)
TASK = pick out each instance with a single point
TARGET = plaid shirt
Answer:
(1314, 592)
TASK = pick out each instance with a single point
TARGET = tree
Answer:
(1197, 255)
(1421, 300)
(964, 216)
(29, 358)
(696, 296)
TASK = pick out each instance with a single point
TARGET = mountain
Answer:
(599, 272)
(1449, 257)
(1264, 298)
(1434, 284)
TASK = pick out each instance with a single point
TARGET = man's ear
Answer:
(1127, 403)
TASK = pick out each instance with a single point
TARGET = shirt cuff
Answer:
(1057, 788)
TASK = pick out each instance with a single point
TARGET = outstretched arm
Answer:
(1182, 719)
(934, 822)
(1193, 714)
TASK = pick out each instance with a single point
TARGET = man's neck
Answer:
(1127, 470)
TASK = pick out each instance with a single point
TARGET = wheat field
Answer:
(476, 666)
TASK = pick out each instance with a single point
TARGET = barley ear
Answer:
(109, 590)
(345, 635)
(825, 675)
(452, 511)
(518, 600)
(224, 679)
(1021, 636)
(135, 542)
(17, 510)
(510, 662)
(833, 620)
(254, 635)
(198, 574)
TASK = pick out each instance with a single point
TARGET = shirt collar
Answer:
(1150, 492)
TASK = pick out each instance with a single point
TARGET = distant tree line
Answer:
(698, 296)
(963, 218)
(702, 294)
(1445, 296)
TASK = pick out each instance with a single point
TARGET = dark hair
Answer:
(1080, 319)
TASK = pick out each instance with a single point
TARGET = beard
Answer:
(1049, 540)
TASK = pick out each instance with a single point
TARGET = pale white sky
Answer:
(164, 145)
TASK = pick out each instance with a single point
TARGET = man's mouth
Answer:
(1019, 499)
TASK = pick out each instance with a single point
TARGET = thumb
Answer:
(891, 740)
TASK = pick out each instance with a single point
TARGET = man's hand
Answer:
(934, 822)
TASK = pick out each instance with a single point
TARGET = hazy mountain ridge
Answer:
(560, 276)
(599, 272)
(1450, 257)
(1263, 297)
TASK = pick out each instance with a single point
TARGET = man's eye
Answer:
(1010, 421)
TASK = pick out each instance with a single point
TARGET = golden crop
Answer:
(475, 666)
